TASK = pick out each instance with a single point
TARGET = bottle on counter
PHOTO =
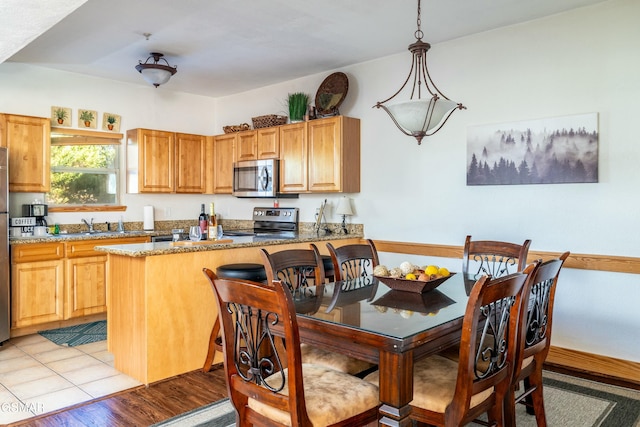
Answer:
(212, 230)
(202, 222)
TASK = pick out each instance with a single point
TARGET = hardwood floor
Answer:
(142, 406)
(145, 406)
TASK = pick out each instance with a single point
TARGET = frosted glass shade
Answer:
(413, 115)
(156, 76)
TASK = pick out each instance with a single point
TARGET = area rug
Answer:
(569, 402)
(79, 334)
(217, 414)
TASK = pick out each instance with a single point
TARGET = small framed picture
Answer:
(111, 122)
(60, 116)
(87, 119)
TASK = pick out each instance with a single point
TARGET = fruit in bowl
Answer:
(412, 278)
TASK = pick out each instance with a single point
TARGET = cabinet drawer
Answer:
(84, 248)
(36, 252)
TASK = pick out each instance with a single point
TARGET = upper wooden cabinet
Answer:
(190, 163)
(293, 158)
(258, 144)
(221, 161)
(165, 162)
(320, 156)
(28, 143)
(268, 143)
(246, 145)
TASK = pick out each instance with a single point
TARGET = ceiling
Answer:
(222, 47)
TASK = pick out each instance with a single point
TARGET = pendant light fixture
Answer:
(421, 115)
(155, 72)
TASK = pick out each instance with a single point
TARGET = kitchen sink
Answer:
(101, 233)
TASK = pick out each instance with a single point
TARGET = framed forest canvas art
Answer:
(543, 151)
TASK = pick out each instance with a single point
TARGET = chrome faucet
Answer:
(89, 224)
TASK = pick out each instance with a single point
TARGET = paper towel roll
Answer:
(148, 218)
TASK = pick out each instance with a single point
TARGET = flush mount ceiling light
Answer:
(154, 72)
(420, 117)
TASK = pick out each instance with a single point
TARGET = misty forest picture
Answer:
(545, 151)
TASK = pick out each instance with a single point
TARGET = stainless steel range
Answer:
(279, 223)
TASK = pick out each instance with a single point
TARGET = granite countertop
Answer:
(165, 248)
(50, 238)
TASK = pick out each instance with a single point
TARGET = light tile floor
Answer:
(38, 376)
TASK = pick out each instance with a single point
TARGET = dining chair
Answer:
(299, 269)
(267, 383)
(534, 340)
(353, 260)
(449, 393)
(493, 258)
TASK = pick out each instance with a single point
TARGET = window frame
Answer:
(65, 136)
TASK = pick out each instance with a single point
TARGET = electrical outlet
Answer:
(167, 212)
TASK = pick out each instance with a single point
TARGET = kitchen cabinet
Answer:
(268, 143)
(165, 162)
(190, 163)
(37, 283)
(60, 280)
(246, 145)
(320, 156)
(258, 144)
(293, 158)
(222, 159)
(85, 276)
(28, 143)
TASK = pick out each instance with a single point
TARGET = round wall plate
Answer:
(331, 93)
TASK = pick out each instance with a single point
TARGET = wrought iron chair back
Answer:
(353, 261)
(493, 258)
(296, 268)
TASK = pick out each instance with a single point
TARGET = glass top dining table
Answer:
(366, 319)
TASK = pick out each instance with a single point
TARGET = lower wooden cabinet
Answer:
(37, 283)
(59, 281)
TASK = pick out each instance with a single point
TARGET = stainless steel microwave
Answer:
(256, 178)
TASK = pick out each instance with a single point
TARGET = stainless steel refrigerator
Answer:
(5, 284)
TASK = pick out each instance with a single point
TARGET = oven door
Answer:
(255, 178)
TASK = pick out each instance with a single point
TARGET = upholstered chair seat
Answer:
(329, 390)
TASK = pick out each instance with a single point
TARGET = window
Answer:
(84, 168)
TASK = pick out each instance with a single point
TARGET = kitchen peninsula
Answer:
(160, 306)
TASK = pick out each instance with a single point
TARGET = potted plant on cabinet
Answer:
(87, 117)
(61, 114)
(297, 106)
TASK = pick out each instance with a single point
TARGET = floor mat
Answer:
(79, 334)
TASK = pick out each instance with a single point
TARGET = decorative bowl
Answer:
(416, 286)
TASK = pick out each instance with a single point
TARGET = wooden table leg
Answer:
(396, 388)
(211, 352)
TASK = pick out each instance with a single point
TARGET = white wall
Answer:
(577, 62)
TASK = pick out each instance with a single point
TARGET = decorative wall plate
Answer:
(331, 93)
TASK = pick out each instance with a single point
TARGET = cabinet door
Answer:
(334, 155)
(246, 146)
(154, 151)
(325, 162)
(293, 158)
(86, 290)
(28, 143)
(37, 292)
(190, 163)
(223, 158)
(269, 143)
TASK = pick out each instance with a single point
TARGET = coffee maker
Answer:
(37, 210)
